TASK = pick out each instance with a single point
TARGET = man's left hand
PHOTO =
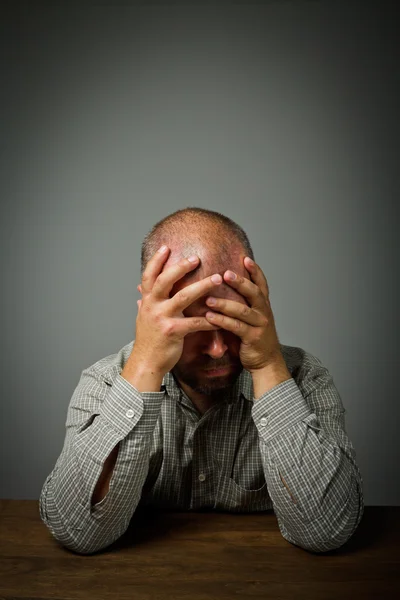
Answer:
(253, 324)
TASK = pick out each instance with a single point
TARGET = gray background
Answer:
(283, 116)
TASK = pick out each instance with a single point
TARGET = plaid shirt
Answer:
(232, 458)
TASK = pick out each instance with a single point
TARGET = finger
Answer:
(246, 288)
(173, 273)
(154, 268)
(236, 310)
(257, 275)
(193, 292)
(239, 328)
(192, 324)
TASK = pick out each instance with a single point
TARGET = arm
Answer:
(75, 503)
(143, 380)
(90, 496)
(309, 461)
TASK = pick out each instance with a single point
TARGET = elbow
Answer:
(321, 546)
(82, 548)
(71, 539)
(94, 537)
(332, 530)
(342, 531)
(79, 542)
(315, 542)
(85, 534)
(341, 526)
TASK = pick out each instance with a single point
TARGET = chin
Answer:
(207, 385)
(212, 386)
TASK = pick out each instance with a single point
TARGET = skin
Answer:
(204, 351)
(243, 336)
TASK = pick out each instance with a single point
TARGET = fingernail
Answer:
(193, 258)
(230, 275)
(162, 249)
(216, 278)
(250, 262)
(211, 301)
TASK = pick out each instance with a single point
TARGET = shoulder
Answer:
(300, 361)
(108, 368)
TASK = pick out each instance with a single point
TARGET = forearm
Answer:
(144, 379)
(316, 495)
(103, 483)
(312, 477)
(81, 513)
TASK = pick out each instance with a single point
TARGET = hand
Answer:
(253, 324)
(160, 323)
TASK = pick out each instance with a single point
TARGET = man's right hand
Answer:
(160, 323)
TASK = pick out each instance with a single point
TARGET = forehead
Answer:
(215, 257)
(220, 291)
(223, 291)
(199, 306)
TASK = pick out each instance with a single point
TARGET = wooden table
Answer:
(198, 556)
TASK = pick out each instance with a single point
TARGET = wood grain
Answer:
(197, 556)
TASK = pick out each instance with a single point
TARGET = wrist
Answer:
(142, 375)
(269, 376)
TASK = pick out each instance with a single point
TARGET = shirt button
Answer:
(263, 421)
(202, 477)
(129, 413)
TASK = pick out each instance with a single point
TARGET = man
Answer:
(205, 409)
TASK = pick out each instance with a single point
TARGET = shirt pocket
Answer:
(233, 498)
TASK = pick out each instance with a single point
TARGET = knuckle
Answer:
(245, 311)
(237, 324)
(169, 328)
(257, 339)
(156, 316)
(145, 306)
(182, 296)
(197, 322)
(264, 321)
(160, 278)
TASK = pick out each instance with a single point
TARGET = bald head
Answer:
(216, 253)
(218, 241)
(210, 264)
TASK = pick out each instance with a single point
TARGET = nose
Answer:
(216, 347)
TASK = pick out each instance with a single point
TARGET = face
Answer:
(210, 359)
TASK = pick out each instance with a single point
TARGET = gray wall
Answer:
(282, 116)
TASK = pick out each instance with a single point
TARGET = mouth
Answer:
(219, 371)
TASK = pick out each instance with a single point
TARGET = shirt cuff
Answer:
(279, 408)
(124, 406)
